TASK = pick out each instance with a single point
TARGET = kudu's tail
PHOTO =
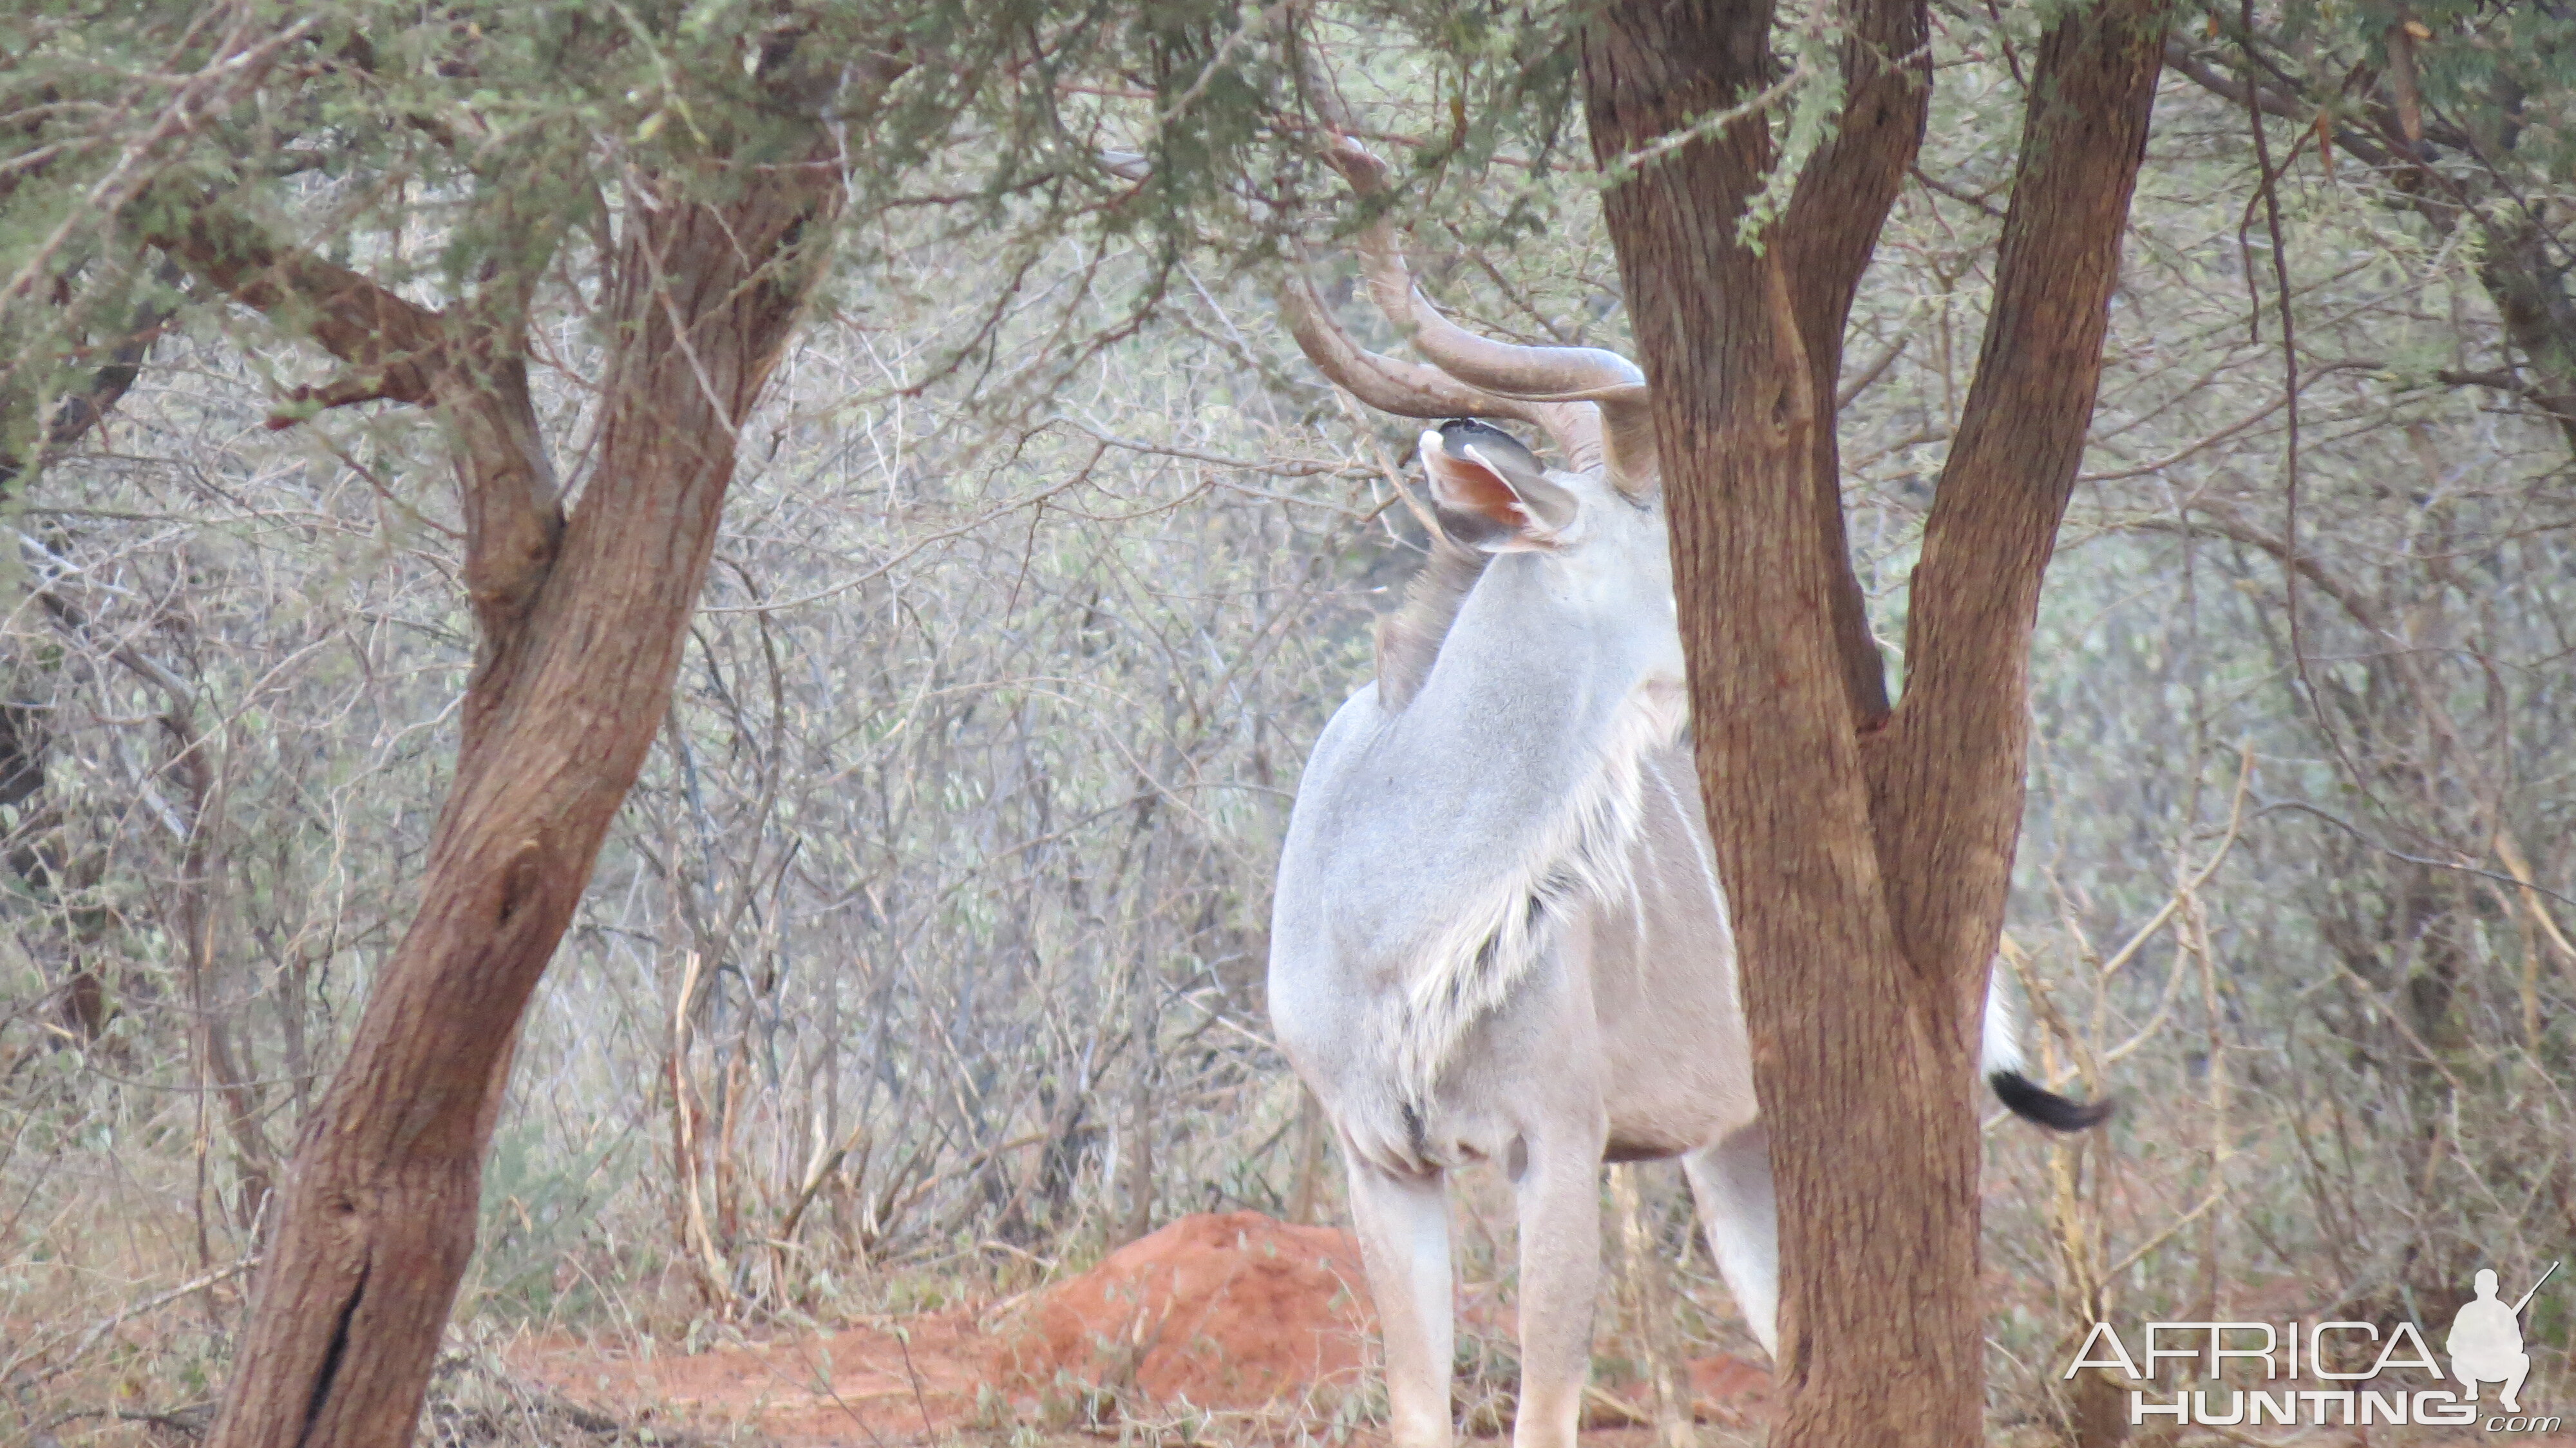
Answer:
(2033, 1102)
(2025, 1098)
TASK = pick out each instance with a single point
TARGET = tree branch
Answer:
(80, 411)
(2222, 522)
(2526, 284)
(1947, 775)
(1841, 201)
(396, 344)
(471, 367)
(2180, 59)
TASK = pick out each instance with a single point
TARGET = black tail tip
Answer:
(2033, 1102)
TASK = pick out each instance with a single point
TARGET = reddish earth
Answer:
(861, 1385)
(1729, 1390)
(1234, 1313)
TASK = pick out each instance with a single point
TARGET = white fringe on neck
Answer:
(1584, 853)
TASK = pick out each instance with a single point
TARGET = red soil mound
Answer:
(1236, 1312)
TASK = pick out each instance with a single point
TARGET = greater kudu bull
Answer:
(1498, 933)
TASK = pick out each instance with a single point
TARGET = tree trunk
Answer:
(2531, 296)
(1866, 853)
(583, 622)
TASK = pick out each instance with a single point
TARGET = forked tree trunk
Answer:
(582, 624)
(1866, 851)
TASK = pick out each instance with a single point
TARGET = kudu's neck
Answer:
(1509, 786)
(1547, 667)
(1539, 635)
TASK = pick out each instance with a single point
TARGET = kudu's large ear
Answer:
(1489, 492)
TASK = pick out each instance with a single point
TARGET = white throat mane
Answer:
(1582, 854)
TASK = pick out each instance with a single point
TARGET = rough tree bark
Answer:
(582, 620)
(1866, 850)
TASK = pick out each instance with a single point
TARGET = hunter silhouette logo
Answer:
(2486, 1340)
(2484, 1346)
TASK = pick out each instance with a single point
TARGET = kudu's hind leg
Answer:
(1560, 1212)
(1403, 1226)
(1732, 1183)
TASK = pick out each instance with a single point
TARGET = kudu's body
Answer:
(1609, 1028)
(1498, 933)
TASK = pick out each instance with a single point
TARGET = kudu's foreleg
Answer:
(1731, 1181)
(1559, 1189)
(1403, 1225)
